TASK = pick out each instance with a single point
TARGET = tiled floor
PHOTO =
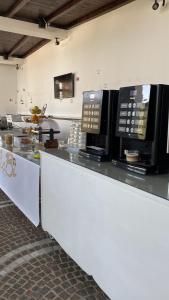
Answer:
(32, 266)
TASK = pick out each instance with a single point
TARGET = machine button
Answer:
(122, 121)
(140, 113)
(121, 129)
(123, 105)
(139, 122)
(95, 126)
(86, 113)
(141, 105)
(123, 113)
(138, 131)
(96, 120)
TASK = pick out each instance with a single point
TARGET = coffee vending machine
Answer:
(98, 121)
(142, 126)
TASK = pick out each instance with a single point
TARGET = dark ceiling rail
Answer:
(35, 48)
(50, 18)
(18, 5)
(18, 45)
(98, 12)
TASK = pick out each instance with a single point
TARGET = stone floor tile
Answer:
(34, 267)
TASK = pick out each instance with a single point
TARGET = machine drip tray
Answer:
(93, 156)
(139, 167)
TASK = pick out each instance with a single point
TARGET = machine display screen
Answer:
(133, 106)
(92, 96)
(133, 93)
(91, 113)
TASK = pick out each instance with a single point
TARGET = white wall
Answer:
(8, 89)
(124, 47)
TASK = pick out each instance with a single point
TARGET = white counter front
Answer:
(116, 233)
(19, 179)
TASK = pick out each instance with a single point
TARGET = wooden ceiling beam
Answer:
(50, 18)
(35, 48)
(17, 6)
(98, 12)
(11, 60)
(31, 29)
(18, 45)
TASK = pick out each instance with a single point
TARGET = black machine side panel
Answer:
(159, 145)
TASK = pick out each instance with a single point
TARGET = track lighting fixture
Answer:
(5, 56)
(57, 42)
(42, 22)
(156, 4)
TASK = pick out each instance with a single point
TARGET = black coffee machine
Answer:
(142, 125)
(98, 121)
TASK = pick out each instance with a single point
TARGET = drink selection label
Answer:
(91, 112)
(133, 109)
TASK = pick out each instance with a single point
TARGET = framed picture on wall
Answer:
(64, 86)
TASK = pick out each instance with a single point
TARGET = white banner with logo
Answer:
(19, 179)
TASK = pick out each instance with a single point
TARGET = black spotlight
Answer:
(57, 42)
(42, 22)
(155, 5)
(5, 56)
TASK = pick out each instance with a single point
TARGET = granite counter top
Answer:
(153, 184)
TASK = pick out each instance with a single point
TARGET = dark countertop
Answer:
(153, 184)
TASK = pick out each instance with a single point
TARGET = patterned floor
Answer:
(32, 266)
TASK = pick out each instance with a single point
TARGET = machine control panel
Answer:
(133, 107)
(91, 111)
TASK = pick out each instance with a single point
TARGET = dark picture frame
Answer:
(64, 86)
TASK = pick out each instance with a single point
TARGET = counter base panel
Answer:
(116, 233)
